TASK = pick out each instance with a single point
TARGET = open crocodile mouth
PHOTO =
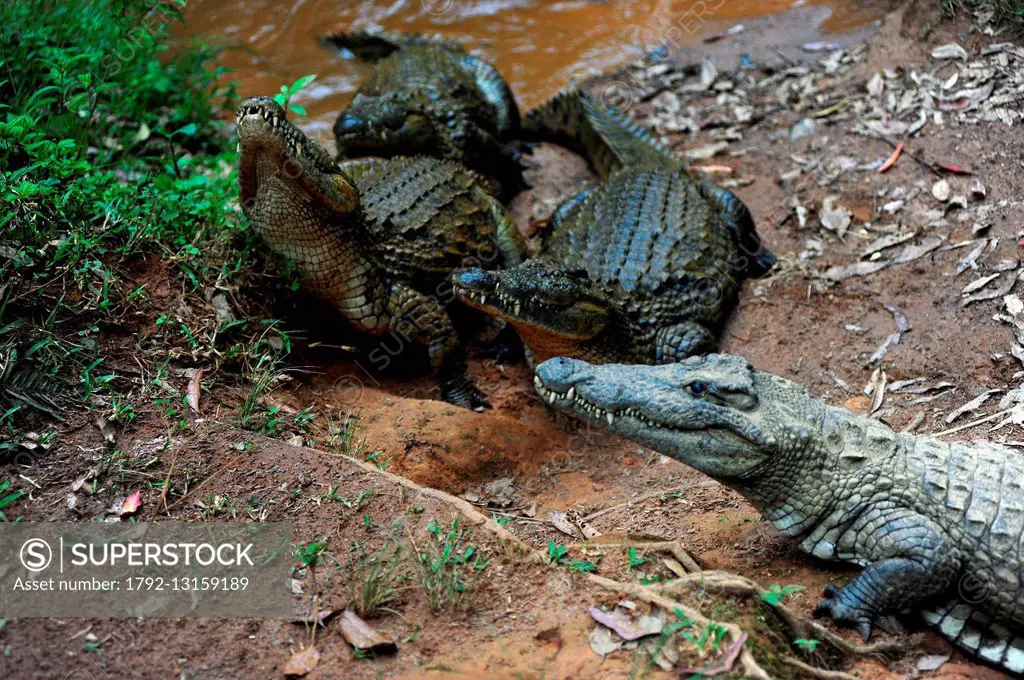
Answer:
(635, 416)
(609, 416)
(292, 137)
(505, 303)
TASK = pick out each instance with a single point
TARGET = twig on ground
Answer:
(817, 672)
(470, 513)
(920, 159)
(975, 423)
(726, 583)
(674, 548)
(206, 481)
(162, 503)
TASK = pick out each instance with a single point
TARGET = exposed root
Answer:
(466, 509)
(690, 578)
(750, 667)
(734, 585)
(817, 672)
(674, 548)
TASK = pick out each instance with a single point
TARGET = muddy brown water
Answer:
(541, 46)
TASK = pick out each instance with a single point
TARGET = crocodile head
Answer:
(282, 173)
(535, 297)
(705, 411)
(381, 124)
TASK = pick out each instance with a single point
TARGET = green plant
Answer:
(378, 459)
(442, 565)
(288, 91)
(808, 645)
(112, 151)
(7, 498)
(556, 554)
(309, 555)
(776, 593)
(582, 567)
(376, 578)
(265, 374)
(635, 558)
(709, 640)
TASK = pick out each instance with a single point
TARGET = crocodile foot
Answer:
(462, 392)
(843, 607)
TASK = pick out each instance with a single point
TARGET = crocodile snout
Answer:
(560, 373)
(349, 124)
(476, 280)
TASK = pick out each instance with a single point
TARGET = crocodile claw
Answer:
(843, 608)
(462, 392)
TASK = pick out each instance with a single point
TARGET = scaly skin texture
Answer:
(430, 97)
(644, 268)
(377, 240)
(938, 526)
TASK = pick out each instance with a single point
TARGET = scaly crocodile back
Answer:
(645, 238)
(426, 217)
(976, 491)
(609, 140)
(428, 62)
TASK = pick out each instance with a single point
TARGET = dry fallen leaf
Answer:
(131, 504)
(721, 665)
(891, 161)
(560, 522)
(360, 635)
(301, 663)
(194, 390)
(950, 51)
(625, 625)
(603, 641)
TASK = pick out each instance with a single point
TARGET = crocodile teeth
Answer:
(517, 309)
(609, 417)
(571, 394)
(537, 383)
(551, 397)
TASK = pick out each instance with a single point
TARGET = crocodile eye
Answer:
(697, 388)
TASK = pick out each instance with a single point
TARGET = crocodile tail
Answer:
(376, 46)
(609, 140)
(974, 632)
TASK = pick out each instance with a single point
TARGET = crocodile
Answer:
(430, 97)
(379, 238)
(937, 526)
(644, 268)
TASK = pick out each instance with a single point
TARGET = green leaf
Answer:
(297, 108)
(280, 96)
(187, 130)
(301, 83)
(4, 502)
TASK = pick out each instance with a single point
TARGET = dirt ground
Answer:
(520, 462)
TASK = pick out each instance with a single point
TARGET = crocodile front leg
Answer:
(754, 259)
(675, 343)
(424, 319)
(912, 561)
